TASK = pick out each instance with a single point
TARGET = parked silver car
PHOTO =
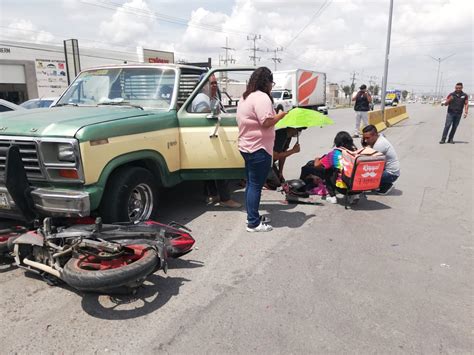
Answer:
(6, 106)
(43, 102)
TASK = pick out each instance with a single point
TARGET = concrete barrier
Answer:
(393, 115)
(376, 119)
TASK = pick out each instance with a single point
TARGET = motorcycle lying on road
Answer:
(96, 257)
(89, 257)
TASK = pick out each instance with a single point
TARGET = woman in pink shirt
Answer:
(256, 119)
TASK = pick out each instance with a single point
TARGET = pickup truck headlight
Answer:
(61, 160)
(66, 153)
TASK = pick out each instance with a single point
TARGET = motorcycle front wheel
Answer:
(95, 273)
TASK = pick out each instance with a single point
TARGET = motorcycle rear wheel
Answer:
(89, 273)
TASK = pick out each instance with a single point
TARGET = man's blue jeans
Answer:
(452, 120)
(387, 179)
(257, 166)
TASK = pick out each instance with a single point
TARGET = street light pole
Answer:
(439, 60)
(387, 53)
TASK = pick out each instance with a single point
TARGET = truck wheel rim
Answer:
(140, 203)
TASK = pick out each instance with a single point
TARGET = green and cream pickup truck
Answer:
(119, 134)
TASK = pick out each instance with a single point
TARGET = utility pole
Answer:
(254, 49)
(439, 60)
(387, 56)
(227, 49)
(441, 86)
(353, 83)
(275, 59)
(226, 61)
(372, 80)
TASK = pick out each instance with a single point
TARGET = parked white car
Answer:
(43, 102)
(6, 106)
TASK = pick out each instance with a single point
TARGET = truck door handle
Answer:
(216, 129)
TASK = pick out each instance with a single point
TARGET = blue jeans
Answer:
(257, 166)
(452, 120)
(387, 179)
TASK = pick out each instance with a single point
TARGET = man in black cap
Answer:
(457, 101)
(362, 106)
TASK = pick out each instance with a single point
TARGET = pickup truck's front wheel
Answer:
(130, 195)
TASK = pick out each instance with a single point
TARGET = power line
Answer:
(62, 51)
(185, 22)
(159, 16)
(321, 9)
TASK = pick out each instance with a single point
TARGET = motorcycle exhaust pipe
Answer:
(42, 267)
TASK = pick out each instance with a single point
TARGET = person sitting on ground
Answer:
(329, 166)
(281, 151)
(391, 172)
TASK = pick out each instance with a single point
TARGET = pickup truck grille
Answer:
(29, 156)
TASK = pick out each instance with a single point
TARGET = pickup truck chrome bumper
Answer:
(49, 201)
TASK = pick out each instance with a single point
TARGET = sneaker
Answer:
(262, 227)
(331, 199)
(212, 199)
(230, 204)
(451, 141)
(263, 219)
(442, 142)
(385, 190)
(355, 135)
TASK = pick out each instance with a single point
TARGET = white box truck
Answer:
(299, 88)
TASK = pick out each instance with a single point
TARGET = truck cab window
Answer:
(145, 87)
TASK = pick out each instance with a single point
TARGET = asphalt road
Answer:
(392, 275)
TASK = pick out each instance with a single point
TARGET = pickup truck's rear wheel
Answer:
(130, 195)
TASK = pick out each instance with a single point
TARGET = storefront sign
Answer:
(152, 56)
(51, 77)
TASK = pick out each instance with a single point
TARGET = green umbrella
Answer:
(304, 118)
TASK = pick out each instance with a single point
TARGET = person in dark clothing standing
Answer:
(281, 151)
(362, 106)
(457, 101)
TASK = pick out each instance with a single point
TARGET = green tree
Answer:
(404, 94)
(347, 90)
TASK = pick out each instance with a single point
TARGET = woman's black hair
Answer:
(259, 80)
(344, 139)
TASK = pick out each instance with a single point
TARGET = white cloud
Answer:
(24, 30)
(126, 26)
(347, 36)
(198, 40)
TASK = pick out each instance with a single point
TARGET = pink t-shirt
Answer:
(251, 113)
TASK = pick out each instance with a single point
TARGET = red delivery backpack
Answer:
(362, 169)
